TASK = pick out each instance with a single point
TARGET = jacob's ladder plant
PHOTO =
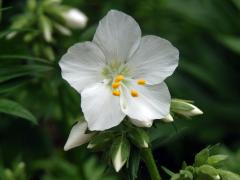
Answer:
(120, 76)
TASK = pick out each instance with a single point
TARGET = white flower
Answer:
(75, 18)
(77, 136)
(120, 73)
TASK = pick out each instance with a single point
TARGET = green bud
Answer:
(120, 151)
(214, 160)
(207, 172)
(139, 137)
(184, 108)
(46, 27)
(227, 175)
(185, 175)
(8, 174)
(201, 157)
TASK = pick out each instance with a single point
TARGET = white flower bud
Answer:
(77, 136)
(194, 112)
(138, 123)
(168, 118)
(75, 18)
(184, 108)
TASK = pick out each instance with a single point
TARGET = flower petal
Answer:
(153, 101)
(77, 136)
(155, 60)
(81, 65)
(118, 35)
(101, 109)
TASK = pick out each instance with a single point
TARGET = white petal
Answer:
(145, 123)
(77, 136)
(155, 59)
(81, 66)
(101, 109)
(118, 35)
(152, 103)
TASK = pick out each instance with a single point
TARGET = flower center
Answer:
(118, 75)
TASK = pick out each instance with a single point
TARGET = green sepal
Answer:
(201, 157)
(207, 172)
(100, 141)
(216, 159)
(120, 151)
(180, 105)
(227, 175)
(139, 138)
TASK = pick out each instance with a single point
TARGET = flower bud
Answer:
(75, 18)
(138, 123)
(77, 136)
(168, 119)
(184, 108)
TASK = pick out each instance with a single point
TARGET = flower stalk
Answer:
(150, 163)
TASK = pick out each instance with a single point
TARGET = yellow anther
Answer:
(134, 93)
(116, 92)
(119, 78)
(141, 82)
(115, 85)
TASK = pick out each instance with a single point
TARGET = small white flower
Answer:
(120, 73)
(75, 18)
(77, 136)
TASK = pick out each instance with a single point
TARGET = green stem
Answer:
(150, 163)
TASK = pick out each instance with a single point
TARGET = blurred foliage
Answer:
(207, 34)
(206, 166)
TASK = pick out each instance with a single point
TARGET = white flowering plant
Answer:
(120, 76)
(129, 124)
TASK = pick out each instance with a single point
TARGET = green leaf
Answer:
(167, 171)
(139, 137)
(201, 157)
(215, 159)
(15, 109)
(24, 57)
(237, 3)
(21, 70)
(231, 42)
(120, 151)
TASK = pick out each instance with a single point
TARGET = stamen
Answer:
(116, 92)
(134, 93)
(119, 78)
(141, 82)
(115, 85)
